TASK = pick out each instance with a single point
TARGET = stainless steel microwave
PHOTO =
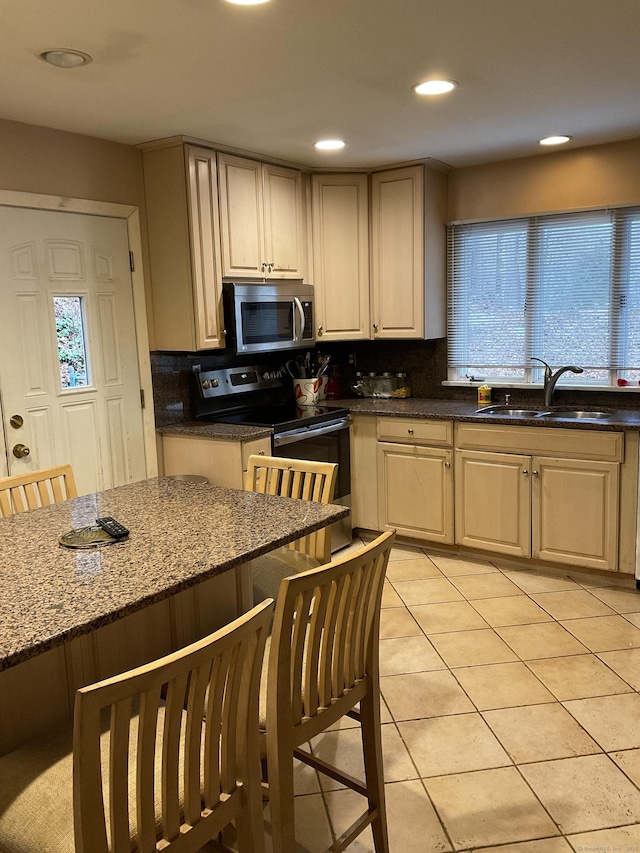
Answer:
(276, 315)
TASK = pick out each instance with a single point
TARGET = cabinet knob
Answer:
(264, 266)
(320, 331)
(524, 472)
(447, 464)
(375, 328)
(535, 473)
(410, 431)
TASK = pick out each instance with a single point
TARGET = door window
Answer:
(72, 341)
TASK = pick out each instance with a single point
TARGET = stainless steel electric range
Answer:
(262, 396)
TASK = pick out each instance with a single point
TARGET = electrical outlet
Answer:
(352, 358)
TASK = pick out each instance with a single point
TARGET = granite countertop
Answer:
(414, 407)
(181, 534)
(230, 432)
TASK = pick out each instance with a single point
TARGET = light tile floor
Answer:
(511, 717)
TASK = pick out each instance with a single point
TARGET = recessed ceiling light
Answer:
(329, 144)
(247, 2)
(554, 140)
(61, 57)
(435, 87)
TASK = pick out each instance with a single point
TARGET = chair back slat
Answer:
(160, 756)
(215, 696)
(145, 769)
(334, 609)
(174, 706)
(299, 479)
(119, 774)
(35, 489)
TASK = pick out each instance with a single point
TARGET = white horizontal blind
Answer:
(565, 288)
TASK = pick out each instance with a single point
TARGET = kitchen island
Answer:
(70, 617)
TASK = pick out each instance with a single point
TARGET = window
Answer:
(565, 288)
(70, 333)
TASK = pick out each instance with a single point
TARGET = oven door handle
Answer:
(309, 432)
(297, 336)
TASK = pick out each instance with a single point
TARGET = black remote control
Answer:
(113, 527)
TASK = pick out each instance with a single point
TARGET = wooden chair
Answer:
(35, 489)
(323, 661)
(147, 774)
(291, 478)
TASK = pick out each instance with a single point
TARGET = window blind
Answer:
(565, 288)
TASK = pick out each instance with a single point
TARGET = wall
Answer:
(556, 181)
(52, 162)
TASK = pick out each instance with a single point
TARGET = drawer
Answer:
(415, 431)
(540, 441)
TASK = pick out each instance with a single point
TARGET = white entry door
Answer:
(69, 378)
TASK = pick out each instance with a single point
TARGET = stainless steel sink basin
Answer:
(573, 414)
(508, 411)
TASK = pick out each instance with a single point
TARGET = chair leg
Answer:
(281, 800)
(250, 821)
(373, 766)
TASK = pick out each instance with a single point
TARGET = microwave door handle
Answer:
(298, 337)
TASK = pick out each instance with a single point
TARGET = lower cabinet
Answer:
(556, 509)
(222, 462)
(561, 496)
(415, 478)
(416, 491)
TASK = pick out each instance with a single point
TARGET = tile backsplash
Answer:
(425, 363)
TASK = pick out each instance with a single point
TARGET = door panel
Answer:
(575, 512)
(80, 409)
(493, 502)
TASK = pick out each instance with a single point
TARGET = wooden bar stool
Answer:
(291, 478)
(35, 489)
(322, 662)
(141, 772)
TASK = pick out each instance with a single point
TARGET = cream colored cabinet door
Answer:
(493, 502)
(398, 253)
(241, 216)
(261, 219)
(575, 512)
(340, 228)
(205, 248)
(284, 220)
(416, 491)
(184, 247)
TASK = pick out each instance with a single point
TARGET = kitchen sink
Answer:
(573, 414)
(508, 411)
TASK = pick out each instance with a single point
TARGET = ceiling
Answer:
(274, 78)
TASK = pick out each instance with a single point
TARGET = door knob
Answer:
(20, 451)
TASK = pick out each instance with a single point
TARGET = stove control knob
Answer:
(214, 383)
(206, 384)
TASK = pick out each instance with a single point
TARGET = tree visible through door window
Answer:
(70, 333)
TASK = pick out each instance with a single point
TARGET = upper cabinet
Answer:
(397, 258)
(262, 219)
(184, 244)
(340, 226)
(379, 261)
(408, 210)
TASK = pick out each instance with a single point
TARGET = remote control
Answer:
(113, 527)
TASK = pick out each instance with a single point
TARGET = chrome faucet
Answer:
(551, 378)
